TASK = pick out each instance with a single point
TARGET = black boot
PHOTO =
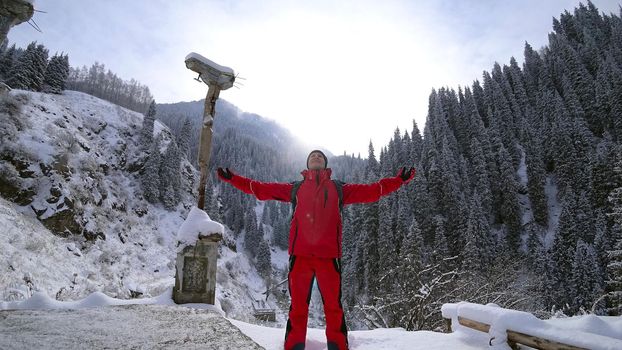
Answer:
(299, 346)
(332, 346)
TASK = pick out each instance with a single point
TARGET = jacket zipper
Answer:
(295, 236)
(338, 243)
(325, 196)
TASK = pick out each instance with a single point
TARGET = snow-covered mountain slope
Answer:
(76, 222)
(265, 131)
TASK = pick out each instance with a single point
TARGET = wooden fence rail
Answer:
(514, 338)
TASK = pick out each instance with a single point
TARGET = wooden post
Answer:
(448, 325)
(205, 141)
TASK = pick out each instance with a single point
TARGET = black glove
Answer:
(406, 175)
(225, 174)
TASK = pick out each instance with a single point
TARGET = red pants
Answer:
(302, 271)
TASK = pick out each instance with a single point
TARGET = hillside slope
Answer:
(75, 220)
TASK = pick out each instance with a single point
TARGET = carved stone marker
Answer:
(195, 275)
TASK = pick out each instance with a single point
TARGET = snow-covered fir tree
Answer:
(479, 248)
(536, 178)
(184, 138)
(56, 74)
(585, 278)
(170, 182)
(254, 234)
(211, 200)
(150, 178)
(146, 133)
(264, 264)
(614, 255)
(7, 59)
(29, 70)
(100, 82)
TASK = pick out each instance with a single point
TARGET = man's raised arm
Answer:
(262, 190)
(367, 193)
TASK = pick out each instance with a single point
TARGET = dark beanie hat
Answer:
(323, 155)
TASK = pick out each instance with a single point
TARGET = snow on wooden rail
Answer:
(507, 328)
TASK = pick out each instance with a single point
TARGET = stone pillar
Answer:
(195, 275)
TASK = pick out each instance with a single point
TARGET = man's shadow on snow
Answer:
(312, 344)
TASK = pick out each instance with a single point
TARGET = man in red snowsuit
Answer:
(315, 239)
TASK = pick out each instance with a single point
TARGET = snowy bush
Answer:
(66, 141)
(12, 104)
(18, 155)
(35, 245)
(226, 305)
(90, 166)
(229, 266)
(16, 292)
(61, 123)
(9, 175)
(223, 278)
(13, 187)
(11, 118)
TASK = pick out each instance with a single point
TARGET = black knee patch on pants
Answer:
(288, 328)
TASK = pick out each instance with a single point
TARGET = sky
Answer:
(337, 74)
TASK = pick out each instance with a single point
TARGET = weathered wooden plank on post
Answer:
(539, 343)
(482, 327)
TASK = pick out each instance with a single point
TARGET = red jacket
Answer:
(315, 229)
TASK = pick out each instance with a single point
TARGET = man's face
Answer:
(316, 161)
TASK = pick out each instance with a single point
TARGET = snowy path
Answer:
(378, 339)
(120, 327)
(175, 327)
(101, 322)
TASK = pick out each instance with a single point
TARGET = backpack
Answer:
(338, 186)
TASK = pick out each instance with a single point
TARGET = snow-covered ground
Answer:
(158, 323)
(377, 339)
